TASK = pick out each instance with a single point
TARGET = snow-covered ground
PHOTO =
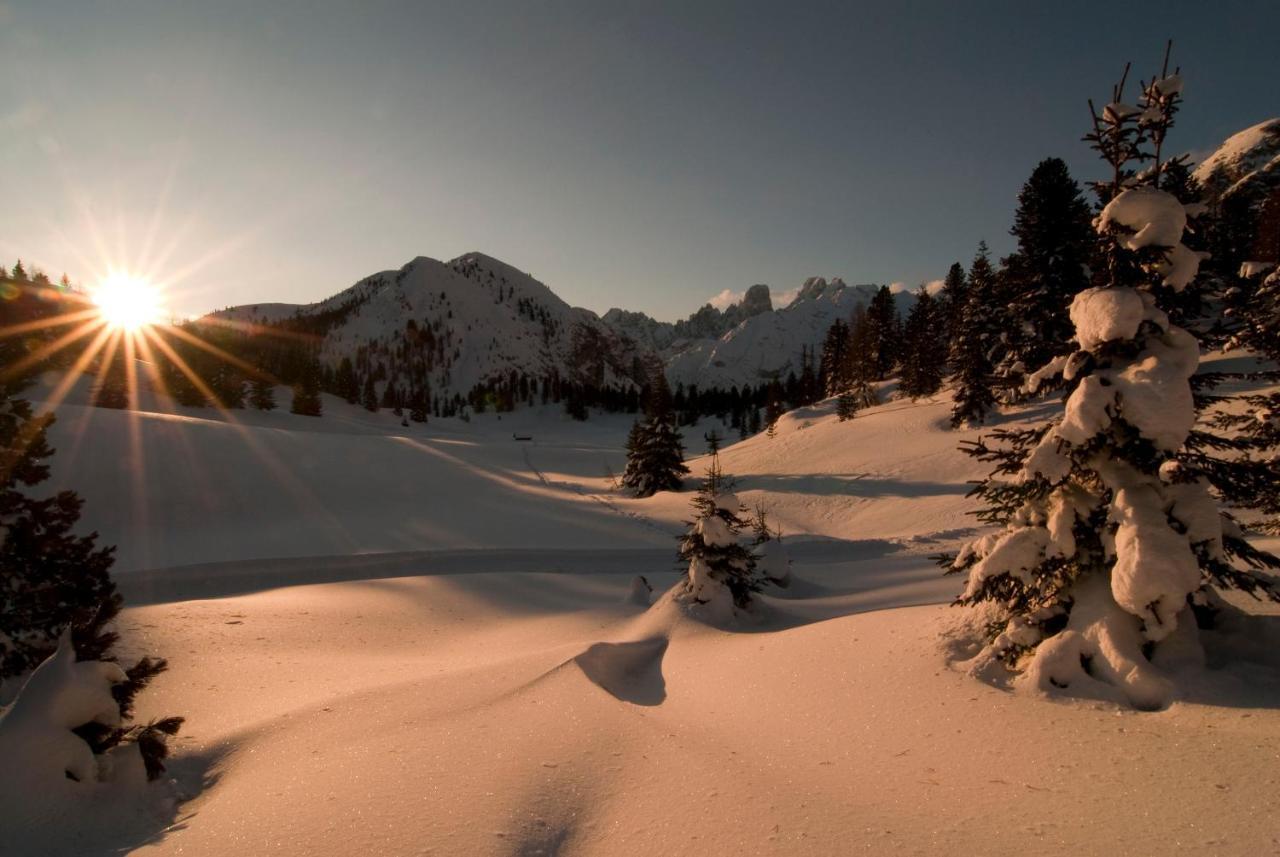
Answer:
(420, 641)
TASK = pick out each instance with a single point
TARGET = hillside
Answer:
(476, 320)
(1247, 162)
(450, 326)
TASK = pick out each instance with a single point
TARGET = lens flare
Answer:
(127, 302)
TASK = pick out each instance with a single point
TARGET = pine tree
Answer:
(970, 347)
(773, 409)
(418, 406)
(1112, 544)
(1055, 240)
(655, 453)
(345, 382)
(58, 583)
(834, 363)
(262, 394)
(369, 396)
(718, 564)
(112, 387)
(955, 296)
(306, 392)
(882, 321)
(924, 353)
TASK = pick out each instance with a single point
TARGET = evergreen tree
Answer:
(345, 383)
(369, 397)
(970, 347)
(834, 364)
(1113, 545)
(882, 323)
(655, 453)
(262, 394)
(57, 583)
(306, 392)
(112, 387)
(955, 296)
(924, 353)
(1055, 240)
(773, 409)
(718, 564)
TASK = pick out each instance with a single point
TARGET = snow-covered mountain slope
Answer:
(708, 322)
(770, 344)
(475, 319)
(1248, 160)
(471, 320)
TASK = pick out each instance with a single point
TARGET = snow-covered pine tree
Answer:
(262, 394)
(655, 452)
(924, 353)
(720, 570)
(1055, 240)
(1112, 543)
(56, 581)
(971, 344)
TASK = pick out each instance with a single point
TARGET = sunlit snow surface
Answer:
(492, 686)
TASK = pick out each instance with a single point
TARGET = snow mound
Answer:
(630, 671)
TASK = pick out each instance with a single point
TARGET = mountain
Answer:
(769, 344)
(708, 322)
(1248, 162)
(473, 320)
(457, 324)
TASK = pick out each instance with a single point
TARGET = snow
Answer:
(1249, 270)
(1242, 153)
(465, 666)
(1155, 570)
(1105, 315)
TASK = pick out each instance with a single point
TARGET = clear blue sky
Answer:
(642, 154)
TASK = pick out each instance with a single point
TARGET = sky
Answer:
(645, 155)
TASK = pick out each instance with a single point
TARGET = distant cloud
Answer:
(781, 299)
(932, 287)
(726, 298)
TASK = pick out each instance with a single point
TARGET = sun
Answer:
(128, 302)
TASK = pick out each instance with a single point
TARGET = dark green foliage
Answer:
(345, 382)
(924, 355)
(369, 397)
(306, 393)
(655, 454)
(833, 370)
(262, 394)
(884, 332)
(973, 339)
(1055, 241)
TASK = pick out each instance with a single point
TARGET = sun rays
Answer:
(127, 302)
(116, 336)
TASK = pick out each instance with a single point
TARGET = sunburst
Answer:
(128, 302)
